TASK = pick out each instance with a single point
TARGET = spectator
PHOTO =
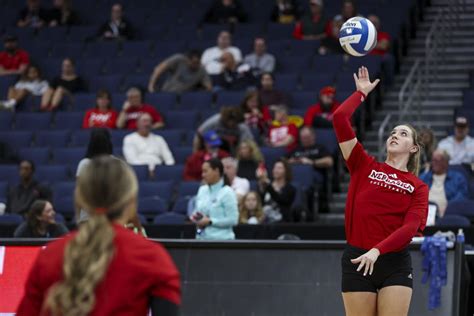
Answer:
(317, 156)
(210, 150)
(21, 196)
(348, 10)
(33, 15)
(145, 148)
(251, 210)
(319, 115)
(225, 12)
(211, 58)
(459, 147)
(117, 28)
(268, 94)
(67, 83)
(103, 115)
(249, 159)
(330, 43)
(285, 12)
(256, 116)
(230, 127)
(383, 38)
(428, 140)
(40, 222)
(234, 76)
(134, 107)
(13, 60)
(216, 204)
(445, 185)
(30, 83)
(283, 133)
(241, 186)
(277, 195)
(313, 25)
(185, 74)
(62, 14)
(260, 60)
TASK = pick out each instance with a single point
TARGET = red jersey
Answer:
(279, 133)
(381, 36)
(139, 270)
(385, 207)
(13, 62)
(97, 118)
(134, 112)
(316, 110)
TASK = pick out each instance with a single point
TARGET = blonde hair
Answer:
(256, 153)
(413, 164)
(244, 213)
(106, 188)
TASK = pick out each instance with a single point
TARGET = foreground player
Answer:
(386, 206)
(103, 269)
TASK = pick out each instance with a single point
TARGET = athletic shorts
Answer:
(390, 269)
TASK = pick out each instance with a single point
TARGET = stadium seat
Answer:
(276, 31)
(6, 119)
(302, 100)
(188, 188)
(195, 100)
(102, 49)
(152, 205)
(162, 189)
(271, 155)
(464, 208)
(53, 174)
(169, 219)
(305, 175)
(11, 219)
(32, 121)
(81, 33)
(54, 139)
(68, 120)
(286, 82)
(10, 173)
(89, 67)
(3, 190)
(80, 138)
(173, 137)
(118, 136)
(64, 205)
(181, 119)
(121, 66)
(136, 80)
(329, 64)
(16, 139)
(327, 137)
(169, 173)
(316, 82)
(73, 50)
(111, 82)
(162, 101)
(292, 64)
(181, 205)
(39, 155)
(457, 221)
(141, 171)
(84, 101)
(140, 49)
(229, 98)
(180, 154)
(70, 156)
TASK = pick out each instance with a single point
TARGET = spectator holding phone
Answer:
(216, 204)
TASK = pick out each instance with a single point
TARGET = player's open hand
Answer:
(362, 81)
(367, 261)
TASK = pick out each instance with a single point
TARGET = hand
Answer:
(151, 88)
(203, 222)
(108, 34)
(367, 259)
(126, 105)
(363, 83)
(306, 161)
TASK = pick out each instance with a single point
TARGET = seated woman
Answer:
(249, 158)
(277, 195)
(40, 222)
(30, 83)
(216, 209)
(67, 83)
(251, 211)
(256, 115)
(103, 115)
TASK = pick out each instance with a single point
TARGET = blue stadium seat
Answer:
(162, 101)
(373, 63)
(84, 101)
(229, 98)
(141, 171)
(173, 137)
(30, 103)
(55, 139)
(140, 81)
(64, 205)
(101, 49)
(305, 175)
(181, 119)
(316, 82)
(53, 174)
(118, 99)
(196, 100)
(302, 100)
(82, 33)
(117, 137)
(464, 208)
(80, 138)
(3, 190)
(329, 64)
(327, 137)
(140, 49)
(32, 121)
(121, 66)
(181, 205)
(70, 156)
(271, 155)
(6, 119)
(16, 139)
(304, 48)
(89, 67)
(180, 154)
(162, 189)
(59, 218)
(247, 31)
(286, 82)
(117, 152)
(169, 173)
(5, 83)
(68, 120)
(468, 97)
(169, 219)
(152, 205)
(294, 64)
(9, 173)
(39, 155)
(111, 82)
(277, 31)
(188, 188)
(63, 50)
(11, 219)
(457, 221)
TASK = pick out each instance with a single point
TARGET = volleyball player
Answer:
(103, 268)
(386, 206)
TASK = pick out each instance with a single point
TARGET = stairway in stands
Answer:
(446, 90)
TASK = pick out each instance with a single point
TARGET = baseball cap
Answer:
(327, 90)
(212, 139)
(461, 121)
(316, 2)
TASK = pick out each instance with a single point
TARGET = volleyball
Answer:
(358, 36)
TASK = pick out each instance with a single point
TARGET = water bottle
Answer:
(460, 237)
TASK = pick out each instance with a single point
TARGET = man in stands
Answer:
(145, 148)
(185, 74)
(283, 133)
(211, 58)
(234, 76)
(241, 186)
(133, 108)
(33, 15)
(260, 60)
(13, 60)
(445, 185)
(460, 147)
(320, 114)
(21, 196)
(117, 28)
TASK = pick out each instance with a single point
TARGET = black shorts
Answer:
(390, 269)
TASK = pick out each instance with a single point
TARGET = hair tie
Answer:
(101, 210)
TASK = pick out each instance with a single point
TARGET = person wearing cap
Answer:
(459, 146)
(210, 149)
(320, 114)
(313, 25)
(13, 60)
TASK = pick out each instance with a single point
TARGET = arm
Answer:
(166, 153)
(229, 202)
(209, 124)
(270, 64)
(122, 118)
(157, 72)
(285, 197)
(206, 81)
(129, 151)
(325, 162)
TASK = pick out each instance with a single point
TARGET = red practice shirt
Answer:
(316, 110)
(13, 62)
(279, 133)
(381, 36)
(139, 270)
(385, 207)
(134, 112)
(96, 118)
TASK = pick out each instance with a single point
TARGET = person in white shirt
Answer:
(260, 60)
(211, 58)
(241, 186)
(460, 147)
(145, 148)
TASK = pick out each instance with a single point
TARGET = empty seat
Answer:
(81, 138)
(169, 219)
(6, 119)
(169, 173)
(84, 101)
(16, 139)
(271, 155)
(152, 205)
(229, 98)
(70, 156)
(53, 174)
(63, 196)
(136, 80)
(11, 219)
(181, 205)
(277, 31)
(9, 173)
(63, 50)
(188, 188)
(304, 99)
(38, 155)
(181, 119)
(82, 33)
(286, 82)
(101, 49)
(3, 190)
(136, 49)
(162, 189)
(89, 67)
(327, 137)
(294, 64)
(32, 121)
(173, 137)
(457, 221)
(117, 137)
(162, 101)
(64, 205)
(330, 64)
(68, 120)
(316, 82)
(180, 154)
(464, 208)
(110, 82)
(55, 139)
(196, 100)
(141, 171)
(121, 66)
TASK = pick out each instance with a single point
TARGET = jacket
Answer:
(455, 185)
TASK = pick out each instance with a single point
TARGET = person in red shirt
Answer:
(13, 60)
(383, 38)
(103, 268)
(319, 115)
(282, 133)
(133, 107)
(312, 25)
(103, 115)
(387, 205)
